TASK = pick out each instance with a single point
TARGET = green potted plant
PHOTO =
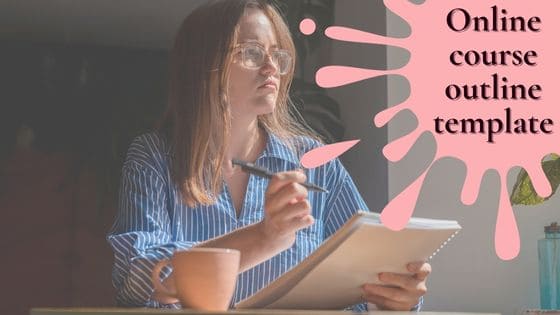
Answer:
(523, 192)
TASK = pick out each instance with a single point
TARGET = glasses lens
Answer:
(283, 61)
(253, 56)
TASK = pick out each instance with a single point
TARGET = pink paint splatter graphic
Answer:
(307, 26)
(500, 45)
(329, 152)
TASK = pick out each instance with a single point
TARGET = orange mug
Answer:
(204, 277)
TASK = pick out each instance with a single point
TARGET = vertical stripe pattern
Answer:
(152, 221)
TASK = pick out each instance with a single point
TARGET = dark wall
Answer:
(67, 115)
(76, 109)
(74, 97)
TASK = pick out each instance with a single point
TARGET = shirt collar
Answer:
(276, 148)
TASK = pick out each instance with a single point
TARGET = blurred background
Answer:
(79, 79)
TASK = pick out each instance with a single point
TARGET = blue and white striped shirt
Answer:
(152, 221)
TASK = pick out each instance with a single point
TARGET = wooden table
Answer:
(146, 311)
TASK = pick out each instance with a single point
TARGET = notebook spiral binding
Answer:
(442, 245)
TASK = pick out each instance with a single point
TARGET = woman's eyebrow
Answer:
(253, 41)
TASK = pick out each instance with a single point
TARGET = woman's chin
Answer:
(265, 109)
(265, 106)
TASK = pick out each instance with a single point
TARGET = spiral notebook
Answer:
(331, 277)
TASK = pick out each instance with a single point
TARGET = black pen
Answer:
(263, 172)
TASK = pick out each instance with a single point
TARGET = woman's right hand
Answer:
(286, 209)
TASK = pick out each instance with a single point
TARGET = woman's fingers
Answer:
(296, 210)
(399, 280)
(302, 222)
(287, 209)
(421, 269)
(291, 218)
(384, 303)
(283, 178)
(288, 192)
(392, 298)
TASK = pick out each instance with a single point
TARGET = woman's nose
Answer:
(269, 67)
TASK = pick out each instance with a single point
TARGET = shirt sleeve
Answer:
(418, 306)
(141, 235)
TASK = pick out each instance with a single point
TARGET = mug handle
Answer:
(161, 293)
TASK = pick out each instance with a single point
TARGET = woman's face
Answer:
(253, 91)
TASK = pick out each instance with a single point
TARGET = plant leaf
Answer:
(523, 191)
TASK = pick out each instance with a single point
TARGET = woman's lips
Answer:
(269, 85)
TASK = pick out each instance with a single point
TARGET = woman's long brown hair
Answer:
(197, 120)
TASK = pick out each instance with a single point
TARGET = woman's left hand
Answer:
(399, 292)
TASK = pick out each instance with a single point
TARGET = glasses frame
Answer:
(274, 57)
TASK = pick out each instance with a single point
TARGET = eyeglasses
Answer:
(253, 56)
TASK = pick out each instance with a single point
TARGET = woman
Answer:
(231, 68)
